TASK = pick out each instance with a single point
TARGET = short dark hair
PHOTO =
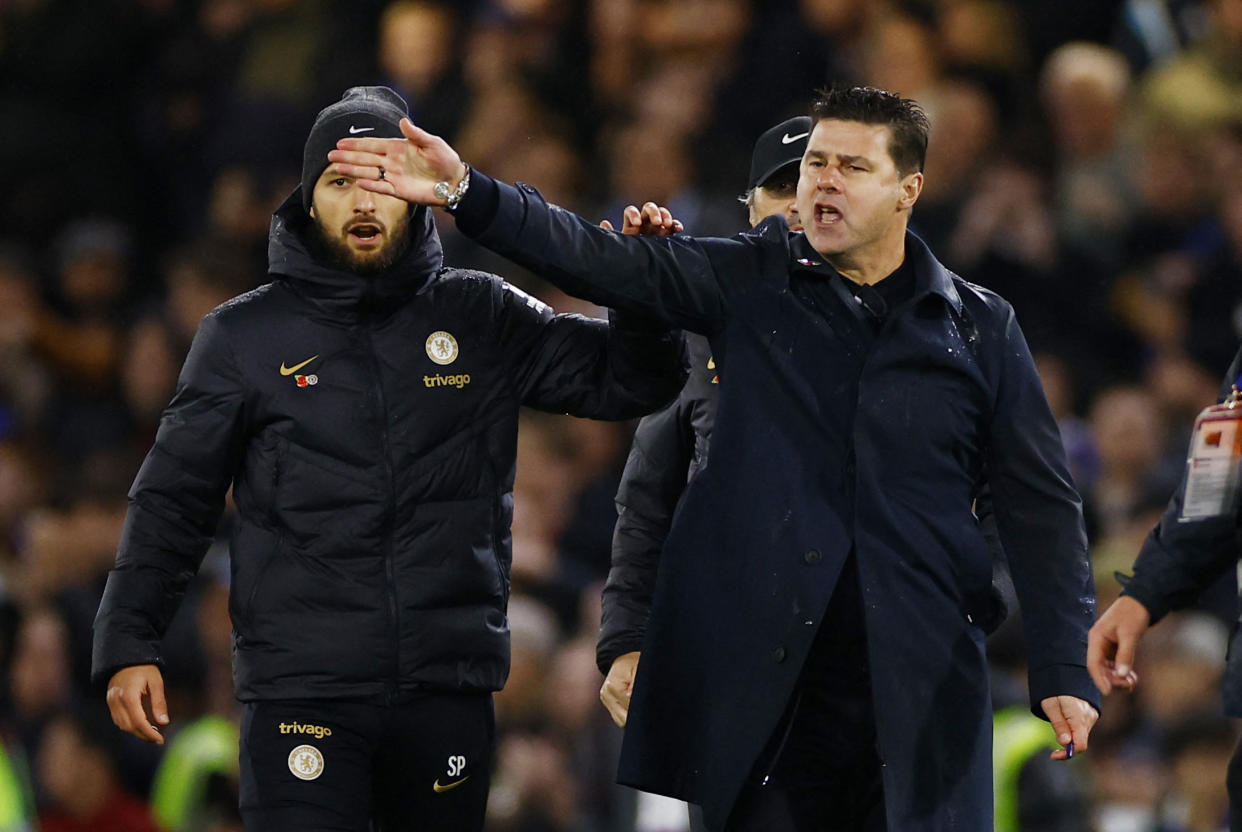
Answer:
(903, 116)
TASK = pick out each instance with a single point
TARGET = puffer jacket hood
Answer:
(289, 257)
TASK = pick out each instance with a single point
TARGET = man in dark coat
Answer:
(1180, 559)
(813, 659)
(671, 448)
(363, 406)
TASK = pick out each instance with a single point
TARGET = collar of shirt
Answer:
(929, 276)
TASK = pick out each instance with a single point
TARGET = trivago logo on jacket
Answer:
(458, 381)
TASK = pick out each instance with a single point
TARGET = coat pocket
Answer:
(249, 580)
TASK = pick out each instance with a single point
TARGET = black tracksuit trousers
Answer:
(327, 765)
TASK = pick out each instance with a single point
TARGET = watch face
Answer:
(442, 190)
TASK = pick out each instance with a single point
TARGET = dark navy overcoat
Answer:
(822, 446)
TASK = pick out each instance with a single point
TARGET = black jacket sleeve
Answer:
(619, 369)
(673, 279)
(1039, 515)
(1181, 559)
(651, 486)
(174, 505)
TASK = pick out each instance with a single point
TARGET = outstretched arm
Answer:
(616, 369)
(680, 280)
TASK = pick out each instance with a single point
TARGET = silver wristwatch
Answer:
(450, 195)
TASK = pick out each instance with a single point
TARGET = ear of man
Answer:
(911, 189)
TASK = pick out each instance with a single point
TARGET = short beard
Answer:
(336, 253)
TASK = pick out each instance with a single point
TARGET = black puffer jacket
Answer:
(368, 428)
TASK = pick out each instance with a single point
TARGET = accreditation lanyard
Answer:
(1214, 464)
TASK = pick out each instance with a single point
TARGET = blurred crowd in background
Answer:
(1085, 162)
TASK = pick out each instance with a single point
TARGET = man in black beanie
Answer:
(363, 408)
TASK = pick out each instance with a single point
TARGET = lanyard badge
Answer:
(1214, 466)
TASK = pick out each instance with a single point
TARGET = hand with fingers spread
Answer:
(1111, 644)
(619, 685)
(652, 220)
(127, 691)
(1072, 719)
(406, 168)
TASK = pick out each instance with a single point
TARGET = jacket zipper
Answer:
(390, 510)
(498, 527)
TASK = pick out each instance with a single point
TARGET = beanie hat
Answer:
(370, 112)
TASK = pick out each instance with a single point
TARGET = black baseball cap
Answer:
(779, 147)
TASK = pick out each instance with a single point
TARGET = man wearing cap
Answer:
(822, 571)
(670, 448)
(363, 408)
